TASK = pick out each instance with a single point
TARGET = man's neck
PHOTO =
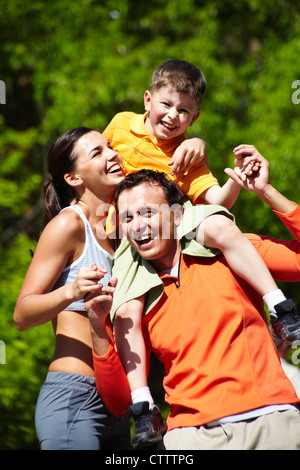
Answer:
(168, 262)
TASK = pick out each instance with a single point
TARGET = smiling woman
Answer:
(72, 257)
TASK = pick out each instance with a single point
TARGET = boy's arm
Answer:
(190, 152)
(225, 195)
(111, 381)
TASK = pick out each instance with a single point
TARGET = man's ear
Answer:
(178, 213)
(195, 117)
(147, 100)
(73, 179)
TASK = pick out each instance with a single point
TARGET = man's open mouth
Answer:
(142, 241)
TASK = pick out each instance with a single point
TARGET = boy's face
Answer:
(170, 112)
(149, 224)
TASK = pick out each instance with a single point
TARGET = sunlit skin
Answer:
(149, 224)
(169, 113)
(97, 165)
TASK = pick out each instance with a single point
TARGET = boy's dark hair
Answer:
(181, 75)
(172, 192)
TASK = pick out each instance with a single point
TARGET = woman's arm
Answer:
(58, 246)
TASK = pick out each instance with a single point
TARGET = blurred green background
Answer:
(66, 64)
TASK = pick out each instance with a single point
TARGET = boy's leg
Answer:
(220, 232)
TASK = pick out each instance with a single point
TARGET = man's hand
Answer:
(190, 152)
(251, 169)
(252, 172)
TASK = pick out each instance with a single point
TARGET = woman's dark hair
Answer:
(61, 160)
(172, 192)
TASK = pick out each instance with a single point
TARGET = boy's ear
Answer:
(147, 100)
(73, 179)
(195, 117)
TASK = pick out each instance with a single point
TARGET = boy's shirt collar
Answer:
(137, 126)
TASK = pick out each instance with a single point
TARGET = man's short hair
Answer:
(172, 192)
(183, 76)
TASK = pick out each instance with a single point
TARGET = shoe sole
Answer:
(147, 444)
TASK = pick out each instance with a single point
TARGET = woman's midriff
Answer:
(73, 344)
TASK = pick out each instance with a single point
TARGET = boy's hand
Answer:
(190, 152)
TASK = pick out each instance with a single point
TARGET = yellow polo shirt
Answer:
(139, 150)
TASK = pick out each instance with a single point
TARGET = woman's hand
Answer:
(87, 281)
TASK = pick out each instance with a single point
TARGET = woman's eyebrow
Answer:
(99, 147)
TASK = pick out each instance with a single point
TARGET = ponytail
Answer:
(53, 203)
(61, 160)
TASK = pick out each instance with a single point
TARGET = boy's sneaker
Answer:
(286, 325)
(149, 425)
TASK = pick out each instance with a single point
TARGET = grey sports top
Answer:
(92, 252)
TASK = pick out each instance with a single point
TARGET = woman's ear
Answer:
(73, 179)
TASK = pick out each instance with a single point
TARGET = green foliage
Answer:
(27, 354)
(78, 63)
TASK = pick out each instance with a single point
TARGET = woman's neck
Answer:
(96, 214)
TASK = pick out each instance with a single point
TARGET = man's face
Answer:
(149, 224)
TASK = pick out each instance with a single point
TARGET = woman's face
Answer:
(98, 165)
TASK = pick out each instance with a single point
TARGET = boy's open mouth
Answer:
(168, 126)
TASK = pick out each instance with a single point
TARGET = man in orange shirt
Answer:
(223, 377)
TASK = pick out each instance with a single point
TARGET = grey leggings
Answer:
(71, 415)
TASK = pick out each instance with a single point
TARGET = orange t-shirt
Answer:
(209, 329)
